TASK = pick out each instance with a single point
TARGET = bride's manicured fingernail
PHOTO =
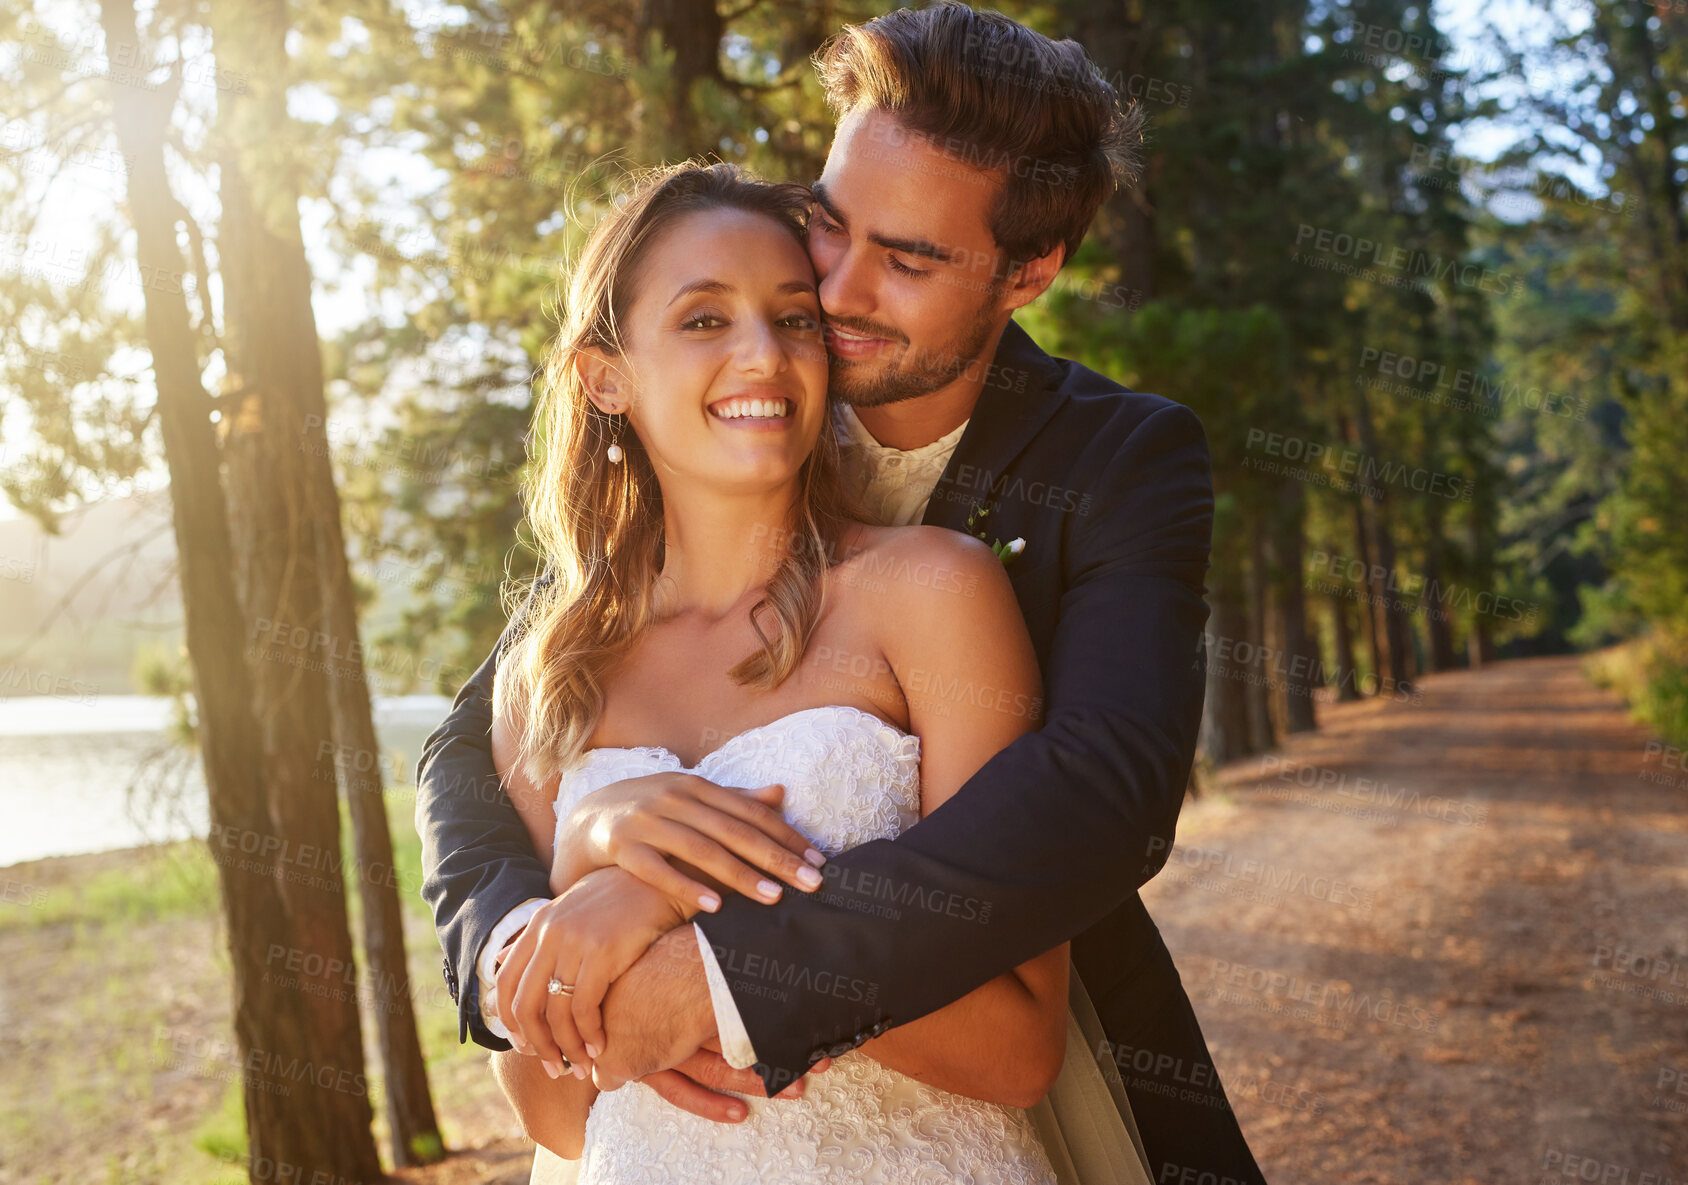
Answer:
(814, 857)
(710, 902)
(768, 889)
(735, 1113)
(580, 1072)
(552, 1070)
(591, 1051)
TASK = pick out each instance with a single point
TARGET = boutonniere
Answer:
(1004, 551)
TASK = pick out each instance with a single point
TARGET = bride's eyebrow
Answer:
(797, 287)
(722, 288)
(719, 287)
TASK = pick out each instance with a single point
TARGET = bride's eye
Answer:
(696, 321)
(800, 321)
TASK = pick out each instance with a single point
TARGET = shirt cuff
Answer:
(486, 966)
(729, 1025)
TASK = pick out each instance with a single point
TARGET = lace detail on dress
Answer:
(849, 778)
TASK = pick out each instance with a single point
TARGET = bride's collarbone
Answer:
(673, 706)
(673, 682)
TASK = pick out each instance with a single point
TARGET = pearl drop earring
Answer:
(614, 452)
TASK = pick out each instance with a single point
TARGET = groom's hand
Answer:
(697, 1085)
(657, 1014)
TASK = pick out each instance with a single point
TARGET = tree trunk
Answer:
(1363, 594)
(291, 651)
(1227, 731)
(1120, 45)
(1388, 607)
(410, 1106)
(1481, 648)
(1263, 667)
(1397, 639)
(302, 1107)
(272, 355)
(1299, 670)
(692, 29)
(1347, 676)
(1434, 601)
(274, 265)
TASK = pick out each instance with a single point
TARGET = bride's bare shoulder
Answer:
(908, 566)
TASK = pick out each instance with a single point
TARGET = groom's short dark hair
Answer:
(1003, 98)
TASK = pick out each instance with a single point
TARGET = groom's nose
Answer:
(846, 288)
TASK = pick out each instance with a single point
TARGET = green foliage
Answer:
(1646, 518)
(1652, 674)
(1664, 704)
(427, 1149)
(1606, 317)
(222, 1133)
(165, 671)
(177, 880)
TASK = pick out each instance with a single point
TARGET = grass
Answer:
(1651, 674)
(221, 1135)
(171, 881)
(116, 950)
(179, 880)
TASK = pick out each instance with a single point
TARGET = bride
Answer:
(715, 609)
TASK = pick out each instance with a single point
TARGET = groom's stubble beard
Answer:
(879, 381)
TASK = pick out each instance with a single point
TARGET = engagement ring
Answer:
(558, 988)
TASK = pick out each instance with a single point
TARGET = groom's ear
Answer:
(602, 378)
(1027, 281)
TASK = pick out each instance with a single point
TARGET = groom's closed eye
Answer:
(827, 220)
(897, 265)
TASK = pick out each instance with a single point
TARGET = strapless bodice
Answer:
(849, 777)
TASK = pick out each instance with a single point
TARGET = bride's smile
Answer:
(751, 406)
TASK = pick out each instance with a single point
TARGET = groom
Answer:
(971, 155)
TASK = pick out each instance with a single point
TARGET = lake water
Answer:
(98, 773)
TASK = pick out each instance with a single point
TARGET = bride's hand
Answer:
(738, 837)
(585, 939)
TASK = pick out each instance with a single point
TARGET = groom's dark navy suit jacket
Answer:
(1048, 842)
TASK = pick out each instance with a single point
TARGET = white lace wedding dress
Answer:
(849, 777)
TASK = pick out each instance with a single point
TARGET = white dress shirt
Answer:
(894, 486)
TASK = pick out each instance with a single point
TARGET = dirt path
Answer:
(1447, 941)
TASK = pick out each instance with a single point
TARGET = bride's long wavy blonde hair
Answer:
(598, 526)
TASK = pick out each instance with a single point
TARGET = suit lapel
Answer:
(1008, 414)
